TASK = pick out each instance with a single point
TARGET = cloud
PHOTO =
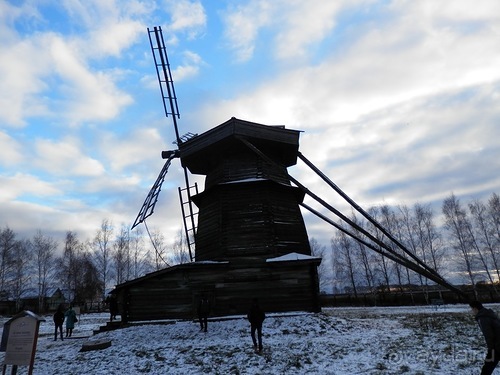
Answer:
(291, 27)
(87, 95)
(110, 39)
(132, 150)
(63, 82)
(408, 56)
(22, 80)
(306, 24)
(65, 157)
(22, 184)
(187, 16)
(398, 114)
(415, 151)
(242, 25)
(10, 150)
(189, 68)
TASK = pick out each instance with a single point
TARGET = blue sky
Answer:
(398, 100)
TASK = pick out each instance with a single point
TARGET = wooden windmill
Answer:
(248, 208)
(250, 236)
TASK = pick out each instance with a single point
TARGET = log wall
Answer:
(174, 293)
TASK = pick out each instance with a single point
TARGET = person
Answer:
(489, 323)
(256, 317)
(113, 307)
(70, 321)
(58, 321)
(203, 311)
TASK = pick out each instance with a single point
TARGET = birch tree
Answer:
(180, 251)
(344, 261)
(7, 243)
(456, 223)
(319, 251)
(20, 271)
(67, 272)
(485, 234)
(160, 250)
(121, 256)
(43, 250)
(140, 258)
(102, 251)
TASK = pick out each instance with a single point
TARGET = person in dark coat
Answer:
(256, 317)
(203, 311)
(490, 327)
(58, 321)
(113, 307)
(70, 315)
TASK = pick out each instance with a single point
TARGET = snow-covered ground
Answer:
(401, 340)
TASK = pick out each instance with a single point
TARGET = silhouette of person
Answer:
(203, 311)
(113, 307)
(58, 321)
(490, 327)
(256, 317)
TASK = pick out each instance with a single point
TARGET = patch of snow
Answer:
(341, 341)
(291, 256)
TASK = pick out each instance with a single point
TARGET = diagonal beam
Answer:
(417, 266)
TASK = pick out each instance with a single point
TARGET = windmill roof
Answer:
(197, 153)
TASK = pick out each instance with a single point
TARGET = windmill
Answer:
(171, 109)
(251, 239)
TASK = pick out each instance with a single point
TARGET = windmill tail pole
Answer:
(383, 248)
(394, 257)
(362, 211)
(416, 266)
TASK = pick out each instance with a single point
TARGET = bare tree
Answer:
(139, 262)
(494, 217)
(383, 215)
(430, 240)
(89, 287)
(485, 234)
(410, 239)
(365, 257)
(180, 250)
(422, 238)
(21, 275)
(101, 249)
(43, 249)
(319, 251)
(7, 243)
(121, 256)
(343, 261)
(67, 264)
(160, 249)
(457, 224)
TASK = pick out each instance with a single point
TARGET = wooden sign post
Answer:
(19, 339)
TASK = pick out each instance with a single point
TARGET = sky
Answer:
(397, 101)
(337, 341)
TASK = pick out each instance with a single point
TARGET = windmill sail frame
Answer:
(149, 204)
(170, 106)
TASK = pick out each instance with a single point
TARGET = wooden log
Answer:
(95, 345)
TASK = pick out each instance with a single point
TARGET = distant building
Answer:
(30, 300)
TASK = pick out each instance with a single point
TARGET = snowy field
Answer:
(402, 340)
